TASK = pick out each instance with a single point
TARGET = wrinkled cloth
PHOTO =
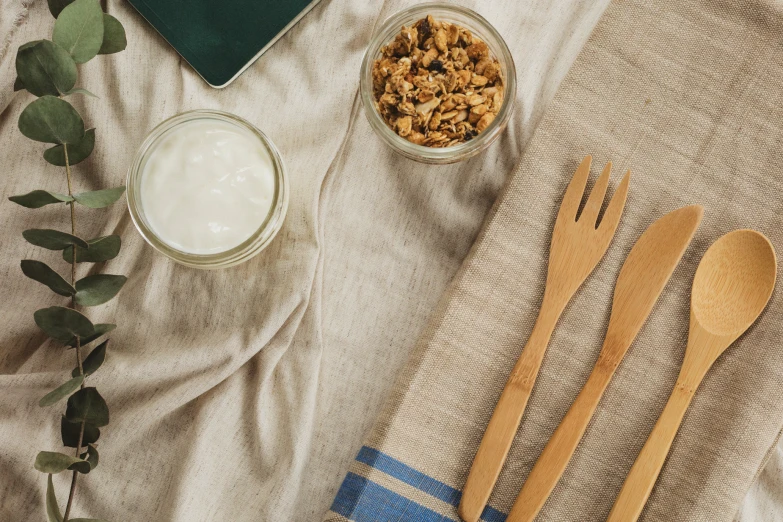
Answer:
(687, 96)
(244, 394)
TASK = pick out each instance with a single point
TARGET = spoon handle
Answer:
(555, 457)
(505, 420)
(641, 479)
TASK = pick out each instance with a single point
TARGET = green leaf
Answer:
(52, 509)
(114, 39)
(52, 239)
(79, 29)
(40, 198)
(79, 90)
(56, 6)
(97, 289)
(99, 198)
(61, 392)
(91, 456)
(54, 462)
(63, 323)
(70, 433)
(87, 405)
(77, 152)
(100, 330)
(93, 361)
(51, 120)
(44, 67)
(18, 85)
(41, 272)
(101, 249)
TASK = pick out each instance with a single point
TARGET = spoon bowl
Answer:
(733, 283)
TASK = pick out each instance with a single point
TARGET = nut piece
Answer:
(436, 84)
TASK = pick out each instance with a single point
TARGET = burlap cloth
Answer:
(688, 96)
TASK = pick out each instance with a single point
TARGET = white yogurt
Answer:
(207, 186)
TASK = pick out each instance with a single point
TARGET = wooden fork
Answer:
(576, 247)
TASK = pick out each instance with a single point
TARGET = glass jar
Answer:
(478, 26)
(238, 254)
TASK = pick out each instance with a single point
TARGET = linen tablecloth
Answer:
(245, 394)
(687, 95)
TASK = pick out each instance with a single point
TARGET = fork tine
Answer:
(575, 190)
(615, 208)
(596, 199)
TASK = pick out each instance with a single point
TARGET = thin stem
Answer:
(78, 341)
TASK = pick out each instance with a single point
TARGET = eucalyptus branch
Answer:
(48, 70)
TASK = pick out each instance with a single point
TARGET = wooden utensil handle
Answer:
(558, 451)
(641, 479)
(505, 420)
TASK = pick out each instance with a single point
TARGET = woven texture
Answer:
(686, 94)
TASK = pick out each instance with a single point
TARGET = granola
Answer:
(437, 84)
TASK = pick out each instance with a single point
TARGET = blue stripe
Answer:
(404, 473)
(362, 500)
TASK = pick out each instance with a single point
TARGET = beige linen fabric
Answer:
(244, 394)
(687, 94)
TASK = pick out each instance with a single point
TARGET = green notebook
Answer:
(221, 38)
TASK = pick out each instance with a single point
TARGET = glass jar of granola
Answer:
(438, 83)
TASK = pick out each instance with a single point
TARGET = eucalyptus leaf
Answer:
(40, 198)
(101, 249)
(80, 90)
(114, 39)
(44, 67)
(91, 456)
(100, 330)
(51, 120)
(79, 29)
(87, 405)
(70, 433)
(61, 392)
(99, 198)
(55, 462)
(93, 361)
(41, 272)
(56, 6)
(52, 509)
(18, 85)
(97, 289)
(77, 152)
(52, 239)
(63, 323)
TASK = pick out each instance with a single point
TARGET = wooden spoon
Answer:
(732, 286)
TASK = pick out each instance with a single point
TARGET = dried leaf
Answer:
(101, 249)
(79, 29)
(70, 433)
(41, 272)
(93, 361)
(52, 509)
(51, 120)
(114, 39)
(63, 323)
(44, 67)
(91, 456)
(87, 405)
(97, 289)
(100, 330)
(40, 198)
(77, 152)
(99, 198)
(54, 462)
(61, 392)
(52, 239)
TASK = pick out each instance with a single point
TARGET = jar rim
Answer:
(499, 49)
(233, 256)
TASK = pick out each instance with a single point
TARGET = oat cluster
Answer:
(436, 84)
